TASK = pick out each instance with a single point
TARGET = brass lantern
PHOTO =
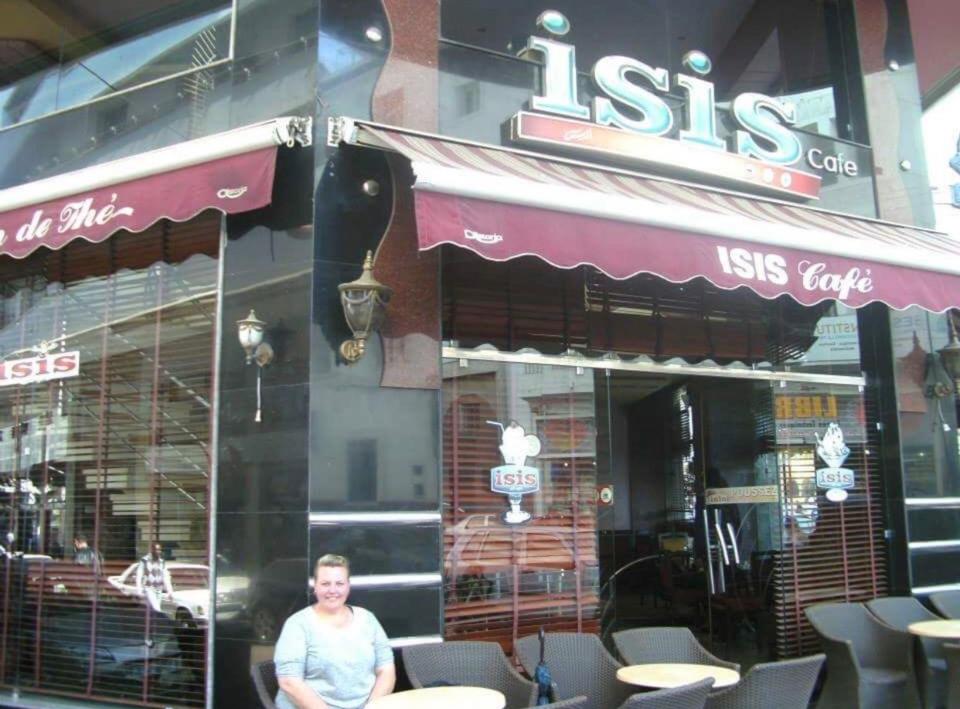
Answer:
(950, 353)
(364, 304)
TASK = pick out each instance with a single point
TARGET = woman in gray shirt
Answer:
(331, 655)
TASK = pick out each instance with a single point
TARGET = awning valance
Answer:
(503, 203)
(231, 171)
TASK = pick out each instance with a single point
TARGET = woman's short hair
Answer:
(332, 561)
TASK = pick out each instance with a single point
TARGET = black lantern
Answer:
(364, 304)
(950, 353)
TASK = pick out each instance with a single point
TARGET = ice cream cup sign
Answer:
(515, 478)
(833, 451)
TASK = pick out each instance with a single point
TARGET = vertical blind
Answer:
(118, 454)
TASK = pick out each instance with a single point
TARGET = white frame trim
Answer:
(323, 518)
(935, 545)
(394, 580)
(186, 72)
(933, 502)
(923, 590)
(415, 640)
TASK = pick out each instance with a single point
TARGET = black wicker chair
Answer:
(641, 645)
(786, 685)
(689, 696)
(947, 603)
(465, 662)
(580, 665)
(265, 680)
(953, 675)
(899, 612)
(869, 664)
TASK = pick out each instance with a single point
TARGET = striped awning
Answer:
(503, 203)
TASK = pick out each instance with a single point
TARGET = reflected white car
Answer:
(190, 603)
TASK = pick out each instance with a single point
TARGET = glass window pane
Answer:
(380, 549)
(520, 519)
(104, 455)
(83, 51)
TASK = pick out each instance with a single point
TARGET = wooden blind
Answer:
(505, 581)
(527, 303)
(831, 552)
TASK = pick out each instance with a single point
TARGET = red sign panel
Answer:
(663, 154)
(56, 365)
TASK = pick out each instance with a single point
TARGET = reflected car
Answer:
(281, 589)
(190, 603)
(121, 659)
(480, 561)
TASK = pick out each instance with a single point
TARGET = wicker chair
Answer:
(787, 685)
(953, 675)
(465, 662)
(947, 603)
(899, 612)
(869, 664)
(265, 680)
(580, 665)
(640, 645)
(689, 696)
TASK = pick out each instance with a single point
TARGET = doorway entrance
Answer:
(697, 527)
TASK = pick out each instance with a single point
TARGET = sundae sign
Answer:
(515, 478)
(833, 451)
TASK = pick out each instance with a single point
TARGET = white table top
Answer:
(949, 629)
(665, 675)
(442, 698)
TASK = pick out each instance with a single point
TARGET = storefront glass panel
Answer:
(514, 565)
(106, 458)
(74, 54)
(930, 447)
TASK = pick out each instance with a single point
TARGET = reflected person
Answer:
(331, 655)
(153, 578)
(85, 555)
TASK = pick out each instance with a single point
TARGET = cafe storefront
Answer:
(575, 316)
(663, 307)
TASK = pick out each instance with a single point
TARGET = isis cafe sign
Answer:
(629, 120)
(42, 368)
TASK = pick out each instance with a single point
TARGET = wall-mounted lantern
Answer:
(950, 353)
(250, 333)
(364, 304)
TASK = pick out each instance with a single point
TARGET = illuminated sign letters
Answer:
(761, 149)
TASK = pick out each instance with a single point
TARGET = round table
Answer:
(442, 698)
(944, 629)
(666, 675)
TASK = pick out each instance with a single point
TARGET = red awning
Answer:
(231, 171)
(502, 204)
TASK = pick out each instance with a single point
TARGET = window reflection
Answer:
(78, 53)
(97, 466)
